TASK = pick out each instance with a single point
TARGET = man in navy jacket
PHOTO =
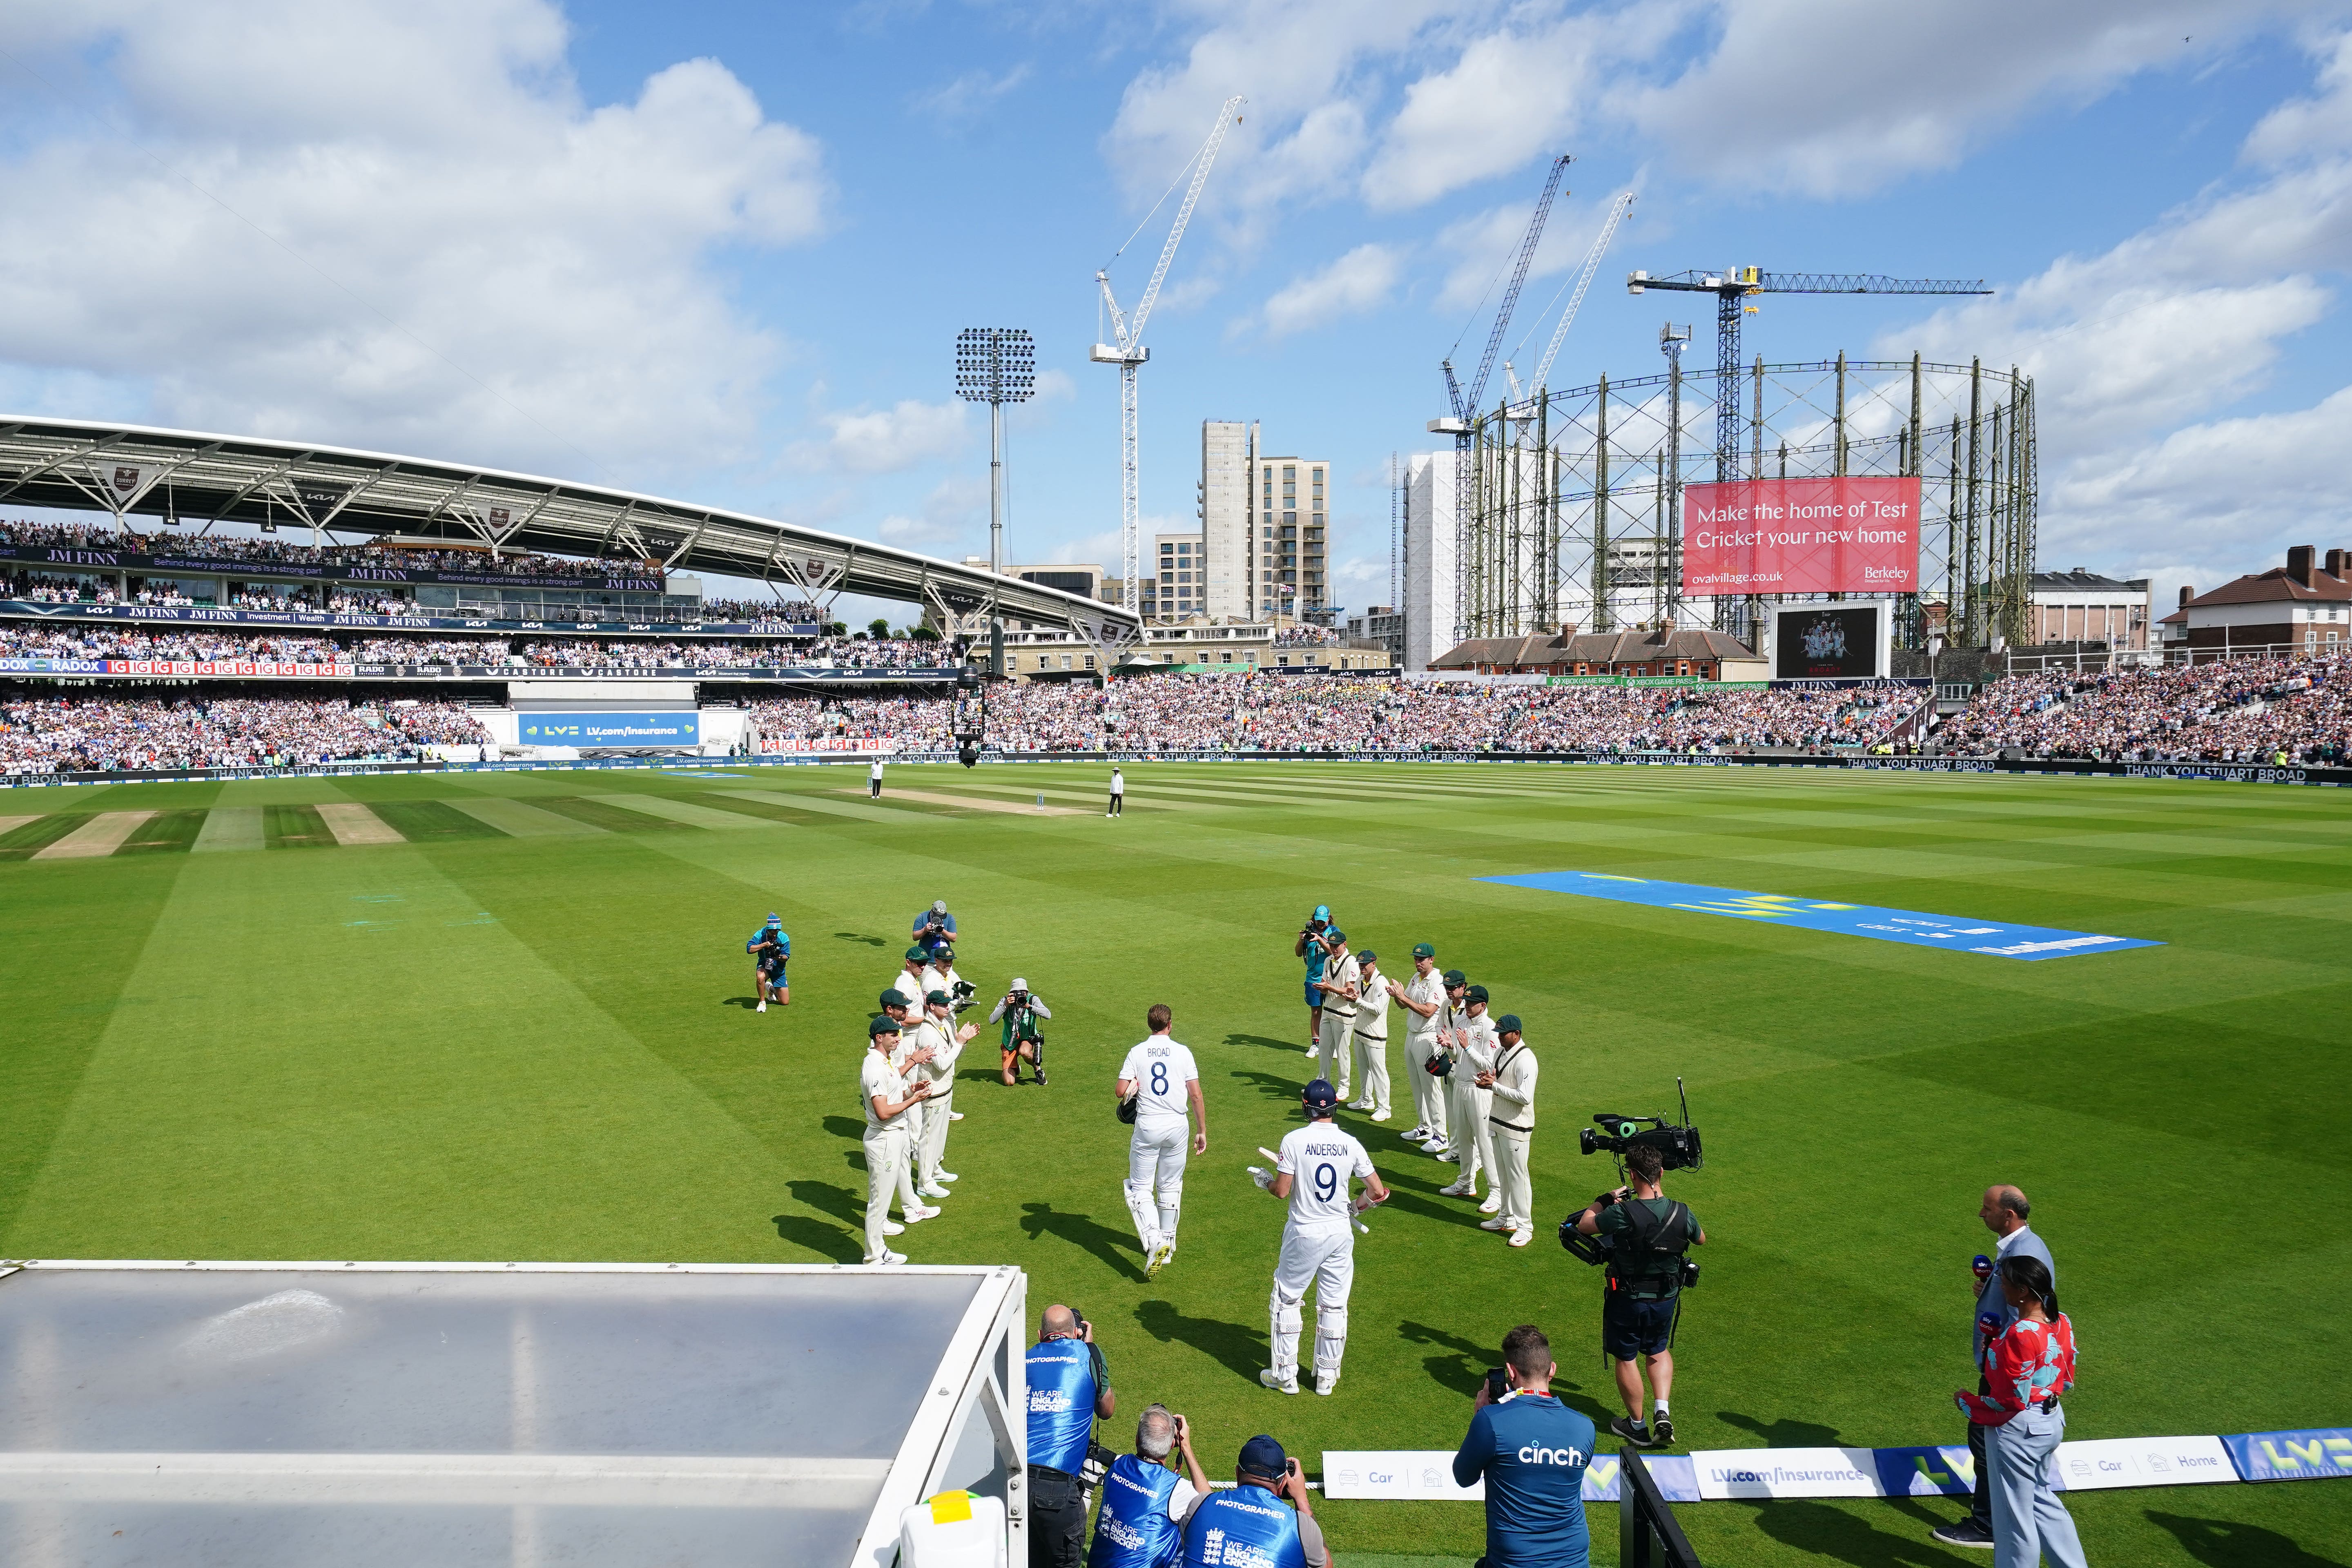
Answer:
(1532, 1450)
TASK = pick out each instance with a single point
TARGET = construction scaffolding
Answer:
(1576, 496)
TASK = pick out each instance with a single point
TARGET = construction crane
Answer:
(1465, 400)
(1617, 211)
(1130, 354)
(1732, 290)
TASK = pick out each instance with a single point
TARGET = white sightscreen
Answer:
(253, 1415)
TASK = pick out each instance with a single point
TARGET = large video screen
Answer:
(1839, 534)
(1827, 642)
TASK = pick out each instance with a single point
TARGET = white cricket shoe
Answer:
(933, 1190)
(1380, 1116)
(1495, 1224)
(1275, 1380)
(892, 1227)
(1449, 1156)
(918, 1215)
(1522, 1237)
(1359, 1105)
(887, 1259)
(1413, 1134)
(945, 1176)
(955, 1116)
(1160, 1256)
(1325, 1382)
(760, 1008)
(1458, 1190)
(1494, 1204)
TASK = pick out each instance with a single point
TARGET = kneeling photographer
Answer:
(1023, 1013)
(1646, 1235)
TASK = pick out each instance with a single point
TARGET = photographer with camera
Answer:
(1532, 1452)
(1142, 1522)
(1310, 947)
(1244, 1525)
(1648, 1234)
(1019, 1011)
(1069, 1390)
(770, 950)
(935, 928)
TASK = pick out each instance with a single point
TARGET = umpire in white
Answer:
(1314, 1171)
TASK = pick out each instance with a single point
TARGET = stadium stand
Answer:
(75, 735)
(2236, 710)
(263, 551)
(51, 639)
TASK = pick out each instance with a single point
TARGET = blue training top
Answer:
(1061, 1404)
(783, 940)
(1132, 1528)
(1533, 1451)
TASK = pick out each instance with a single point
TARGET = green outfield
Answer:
(509, 1017)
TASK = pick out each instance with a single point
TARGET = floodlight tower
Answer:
(995, 365)
(1665, 550)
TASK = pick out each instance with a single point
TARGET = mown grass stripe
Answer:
(229, 827)
(353, 823)
(522, 821)
(663, 805)
(95, 839)
(611, 818)
(427, 821)
(295, 825)
(22, 843)
(166, 832)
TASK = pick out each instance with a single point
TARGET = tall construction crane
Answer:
(1618, 208)
(1732, 290)
(1465, 400)
(1128, 353)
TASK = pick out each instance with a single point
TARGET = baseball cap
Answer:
(1319, 1095)
(1336, 934)
(891, 999)
(918, 953)
(1322, 912)
(1508, 1024)
(937, 998)
(1019, 984)
(1262, 1457)
(1422, 950)
(881, 1026)
(1455, 977)
(1365, 955)
(1475, 993)
(939, 906)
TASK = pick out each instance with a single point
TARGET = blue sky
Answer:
(722, 251)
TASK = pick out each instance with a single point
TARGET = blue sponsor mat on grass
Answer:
(1998, 937)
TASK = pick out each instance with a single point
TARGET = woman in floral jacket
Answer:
(2027, 1367)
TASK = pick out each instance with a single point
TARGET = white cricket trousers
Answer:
(1331, 1051)
(1323, 1256)
(1511, 1178)
(1428, 1093)
(1155, 1178)
(935, 1135)
(1473, 1138)
(885, 1170)
(1372, 1069)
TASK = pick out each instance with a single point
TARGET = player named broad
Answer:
(1160, 1077)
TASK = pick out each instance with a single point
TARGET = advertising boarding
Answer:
(1834, 535)
(609, 732)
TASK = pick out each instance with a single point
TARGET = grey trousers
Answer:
(2030, 1525)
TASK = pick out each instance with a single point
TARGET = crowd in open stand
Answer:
(2239, 710)
(75, 735)
(22, 532)
(64, 639)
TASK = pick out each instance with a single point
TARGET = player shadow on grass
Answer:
(1822, 1529)
(746, 1003)
(1116, 1248)
(816, 1234)
(1464, 1365)
(858, 936)
(1266, 1040)
(1272, 1085)
(1783, 1433)
(1237, 1345)
(846, 1127)
(2226, 1544)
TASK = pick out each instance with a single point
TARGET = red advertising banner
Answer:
(1845, 535)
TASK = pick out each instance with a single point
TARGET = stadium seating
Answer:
(2238, 710)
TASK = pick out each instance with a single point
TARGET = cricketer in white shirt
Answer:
(1315, 1169)
(1161, 1077)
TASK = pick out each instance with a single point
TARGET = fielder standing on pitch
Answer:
(1423, 997)
(887, 1100)
(1342, 980)
(1314, 1170)
(1160, 1077)
(1369, 1035)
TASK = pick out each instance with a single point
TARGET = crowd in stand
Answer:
(1357, 714)
(56, 640)
(1306, 637)
(248, 547)
(73, 734)
(2239, 711)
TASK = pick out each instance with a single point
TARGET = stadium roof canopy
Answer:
(191, 480)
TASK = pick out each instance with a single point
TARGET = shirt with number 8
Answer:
(1160, 1067)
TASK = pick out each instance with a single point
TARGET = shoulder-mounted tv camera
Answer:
(1677, 1145)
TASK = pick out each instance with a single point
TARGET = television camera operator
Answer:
(1647, 1235)
(1020, 1011)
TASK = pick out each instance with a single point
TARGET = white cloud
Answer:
(1833, 98)
(433, 159)
(1511, 97)
(1357, 282)
(955, 506)
(971, 94)
(889, 440)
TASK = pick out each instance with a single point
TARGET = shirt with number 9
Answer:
(1320, 1160)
